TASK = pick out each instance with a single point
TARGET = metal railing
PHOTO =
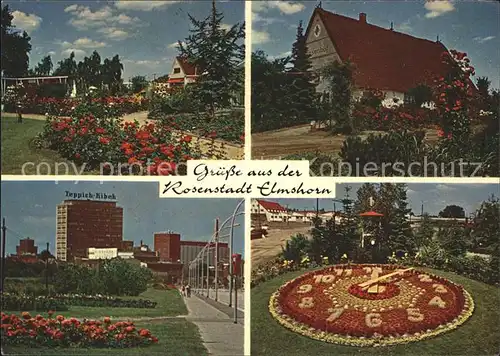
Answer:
(199, 272)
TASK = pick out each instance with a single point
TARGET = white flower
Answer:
(391, 103)
(429, 105)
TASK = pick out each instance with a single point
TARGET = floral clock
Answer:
(370, 305)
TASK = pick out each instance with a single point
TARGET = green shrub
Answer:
(296, 248)
(120, 277)
(21, 302)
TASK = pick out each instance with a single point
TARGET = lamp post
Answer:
(4, 229)
(47, 269)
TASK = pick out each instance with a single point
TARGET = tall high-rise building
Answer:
(87, 223)
(168, 246)
(190, 249)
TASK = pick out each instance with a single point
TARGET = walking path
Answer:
(223, 297)
(221, 336)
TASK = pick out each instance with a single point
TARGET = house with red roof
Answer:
(384, 59)
(271, 210)
(182, 73)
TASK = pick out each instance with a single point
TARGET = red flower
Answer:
(100, 130)
(186, 139)
(212, 135)
(59, 318)
(104, 140)
(26, 315)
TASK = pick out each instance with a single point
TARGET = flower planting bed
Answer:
(106, 143)
(61, 302)
(115, 106)
(330, 306)
(38, 331)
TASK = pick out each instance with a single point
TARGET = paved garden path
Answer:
(221, 336)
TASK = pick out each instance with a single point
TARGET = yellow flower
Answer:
(344, 255)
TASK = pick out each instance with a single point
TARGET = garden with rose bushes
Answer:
(86, 310)
(92, 135)
(449, 121)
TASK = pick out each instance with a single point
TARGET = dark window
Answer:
(177, 70)
(409, 99)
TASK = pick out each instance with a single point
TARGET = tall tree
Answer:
(217, 54)
(16, 47)
(425, 232)
(67, 66)
(44, 67)
(452, 211)
(338, 82)
(271, 101)
(483, 86)
(302, 89)
(139, 82)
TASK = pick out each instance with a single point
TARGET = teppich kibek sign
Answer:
(90, 196)
(247, 179)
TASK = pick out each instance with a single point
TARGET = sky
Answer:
(29, 209)
(435, 197)
(143, 33)
(469, 26)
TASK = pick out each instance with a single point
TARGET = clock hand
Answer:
(366, 284)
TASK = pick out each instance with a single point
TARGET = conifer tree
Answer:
(217, 54)
(302, 89)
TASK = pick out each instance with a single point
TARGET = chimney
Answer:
(362, 17)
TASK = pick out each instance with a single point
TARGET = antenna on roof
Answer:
(437, 39)
(392, 26)
(319, 6)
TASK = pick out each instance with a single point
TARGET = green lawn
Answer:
(170, 303)
(176, 337)
(478, 336)
(18, 149)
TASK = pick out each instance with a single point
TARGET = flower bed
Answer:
(28, 302)
(394, 118)
(107, 144)
(228, 127)
(61, 302)
(115, 106)
(53, 332)
(323, 305)
(104, 301)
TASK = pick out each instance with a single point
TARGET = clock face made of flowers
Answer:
(370, 305)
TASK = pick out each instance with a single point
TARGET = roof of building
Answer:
(270, 205)
(384, 59)
(187, 67)
(371, 213)
(202, 243)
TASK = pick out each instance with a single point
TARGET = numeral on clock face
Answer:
(306, 303)
(424, 278)
(414, 315)
(438, 302)
(327, 278)
(337, 312)
(305, 288)
(373, 320)
(347, 272)
(439, 288)
(370, 270)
